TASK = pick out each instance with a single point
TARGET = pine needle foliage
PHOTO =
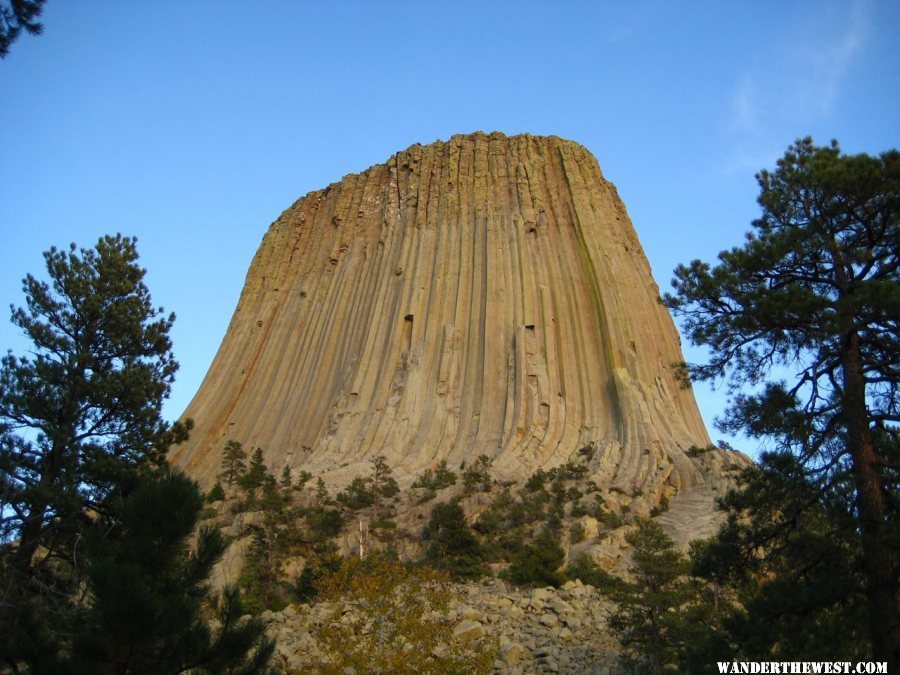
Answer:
(815, 291)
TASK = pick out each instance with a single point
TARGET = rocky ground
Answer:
(542, 630)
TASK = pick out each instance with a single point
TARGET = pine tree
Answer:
(659, 605)
(101, 528)
(18, 15)
(816, 290)
(286, 479)
(149, 592)
(786, 569)
(454, 545)
(538, 562)
(256, 473)
(80, 416)
(233, 464)
(383, 483)
(477, 478)
(262, 573)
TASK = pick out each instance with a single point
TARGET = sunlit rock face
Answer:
(483, 295)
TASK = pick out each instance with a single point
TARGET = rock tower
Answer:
(486, 295)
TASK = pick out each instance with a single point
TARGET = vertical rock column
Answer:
(484, 295)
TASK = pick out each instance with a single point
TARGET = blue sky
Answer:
(192, 125)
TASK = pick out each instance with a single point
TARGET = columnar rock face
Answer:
(484, 295)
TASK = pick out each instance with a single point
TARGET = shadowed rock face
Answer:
(484, 295)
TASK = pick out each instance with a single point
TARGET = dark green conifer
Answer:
(256, 473)
(148, 589)
(815, 290)
(454, 546)
(233, 464)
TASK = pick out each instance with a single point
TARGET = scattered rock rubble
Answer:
(541, 630)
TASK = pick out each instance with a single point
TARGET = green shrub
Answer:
(358, 495)
(660, 508)
(477, 478)
(494, 518)
(576, 533)
(554, 522)
(587, 452)
(697, 451)
(610, 519)
(537, 564)
(530, 508)
(442, 477)
(383, 524)
(323, 523)
(579, 509)
(454, 546)
(216, 493)
(571, 471)
(587, 571)
(536, 481)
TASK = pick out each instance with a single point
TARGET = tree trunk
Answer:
(29, 538)
(879, 560)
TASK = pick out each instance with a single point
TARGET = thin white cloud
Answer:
(823, 61)
(745, 112)
(799, 84)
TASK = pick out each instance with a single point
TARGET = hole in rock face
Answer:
(407, 332)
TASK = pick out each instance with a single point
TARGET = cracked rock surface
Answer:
(542, 630)
(482, 295)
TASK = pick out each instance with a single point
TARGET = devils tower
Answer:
(486, 295)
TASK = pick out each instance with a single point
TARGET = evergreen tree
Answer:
(286, 479)
(323, 523)
(256, 473)
(816, 290)
(80, 416)
(786, 570)
(383, 483)
(216, 493)
(149, 592)
(17, 15)
(100, 527)
(477, 478)
(454, 545)
(262, 574)
(537, 563)
(322, 496)
(660, 605)
(358, 495)
(437, 479)
(233, 464)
